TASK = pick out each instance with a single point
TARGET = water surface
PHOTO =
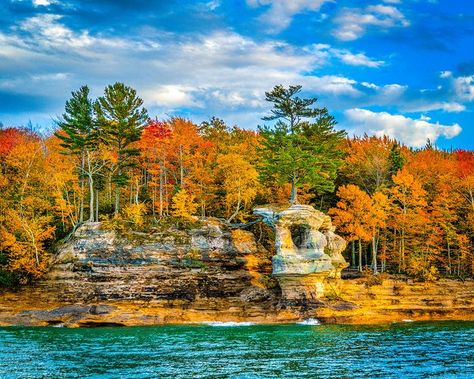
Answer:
(405, 350)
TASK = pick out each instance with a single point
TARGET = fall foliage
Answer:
(404, 211)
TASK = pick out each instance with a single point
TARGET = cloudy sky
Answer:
(404, 68)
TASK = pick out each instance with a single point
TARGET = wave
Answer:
(227, 323)
(309, 321)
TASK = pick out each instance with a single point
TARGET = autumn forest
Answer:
(404, 211)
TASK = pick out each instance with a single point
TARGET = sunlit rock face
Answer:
(307, 250)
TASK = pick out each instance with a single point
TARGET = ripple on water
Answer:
(403, 350)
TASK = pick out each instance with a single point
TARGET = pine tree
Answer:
(122, 118)
(79, 137)
(302, 147)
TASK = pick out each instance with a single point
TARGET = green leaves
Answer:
(300, 151)
(121, 119)
(77, 126)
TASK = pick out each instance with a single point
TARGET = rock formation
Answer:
(308, 252)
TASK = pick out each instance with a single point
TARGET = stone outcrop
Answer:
(214, 273)
(308, 252)
(208, 267)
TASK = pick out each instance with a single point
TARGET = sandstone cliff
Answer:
(213, 273)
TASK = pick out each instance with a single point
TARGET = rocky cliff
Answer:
(214, 273)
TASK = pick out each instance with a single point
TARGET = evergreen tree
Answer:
(122, 118)
(395, 159)
(302, 147)
(79, 135)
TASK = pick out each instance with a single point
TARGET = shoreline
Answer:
(357, 304)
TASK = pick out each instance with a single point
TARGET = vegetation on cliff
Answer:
(405, 211)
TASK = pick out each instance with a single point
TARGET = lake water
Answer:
(405, 350)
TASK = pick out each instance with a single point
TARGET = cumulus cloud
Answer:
(352, 23)
(461, 88)
(43, 3)
(412, 132)
(464, 87)
(359, 59)
(219, 72)
(280, 12)
(345, 56)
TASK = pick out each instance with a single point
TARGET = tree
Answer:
(155, 147)
(240, 182)
(26, 210)
(367, 162)
(183, 205)
(409, 215)
(378, 213)
(295, 150)
(79, 137)
(121, 118)
(352, 215)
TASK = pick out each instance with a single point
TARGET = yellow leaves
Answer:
(357, 214)
(353, 213)
(23, 240)
(134, 213)
(240, 180)
(183, 205)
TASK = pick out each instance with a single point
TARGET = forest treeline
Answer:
(403, 210)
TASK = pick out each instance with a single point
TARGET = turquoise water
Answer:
(406, 350)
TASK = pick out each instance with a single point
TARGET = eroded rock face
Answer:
(211, 267)
(307, 250)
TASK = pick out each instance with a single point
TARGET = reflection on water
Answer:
(405, 350)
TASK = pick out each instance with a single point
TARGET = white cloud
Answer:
(354, 59)
(170, 96)
(359, 59)
(219, 73)
(281, 12)
(413, 132)
(43, 3)
(332, 85)
(352, 23)
(464, 87)
(445, 74)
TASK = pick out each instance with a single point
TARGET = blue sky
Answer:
(404, 68)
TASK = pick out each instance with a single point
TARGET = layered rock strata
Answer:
(214, 273)
(308, 252)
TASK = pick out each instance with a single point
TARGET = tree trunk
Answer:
(353, 257)
(181, 168)
(167, 208)
(161, 190)
(81, 210)
(294, 192)
(237, 208)
(91, 198)
(96, 205)
(360, 256)
(449, 257)
(374, 254)
(137, 190)
(117, 202)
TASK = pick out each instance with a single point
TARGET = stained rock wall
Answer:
(207, 267)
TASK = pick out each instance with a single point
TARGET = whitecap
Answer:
(309, 321)
(228, 323)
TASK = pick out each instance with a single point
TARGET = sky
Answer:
(403, 68)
